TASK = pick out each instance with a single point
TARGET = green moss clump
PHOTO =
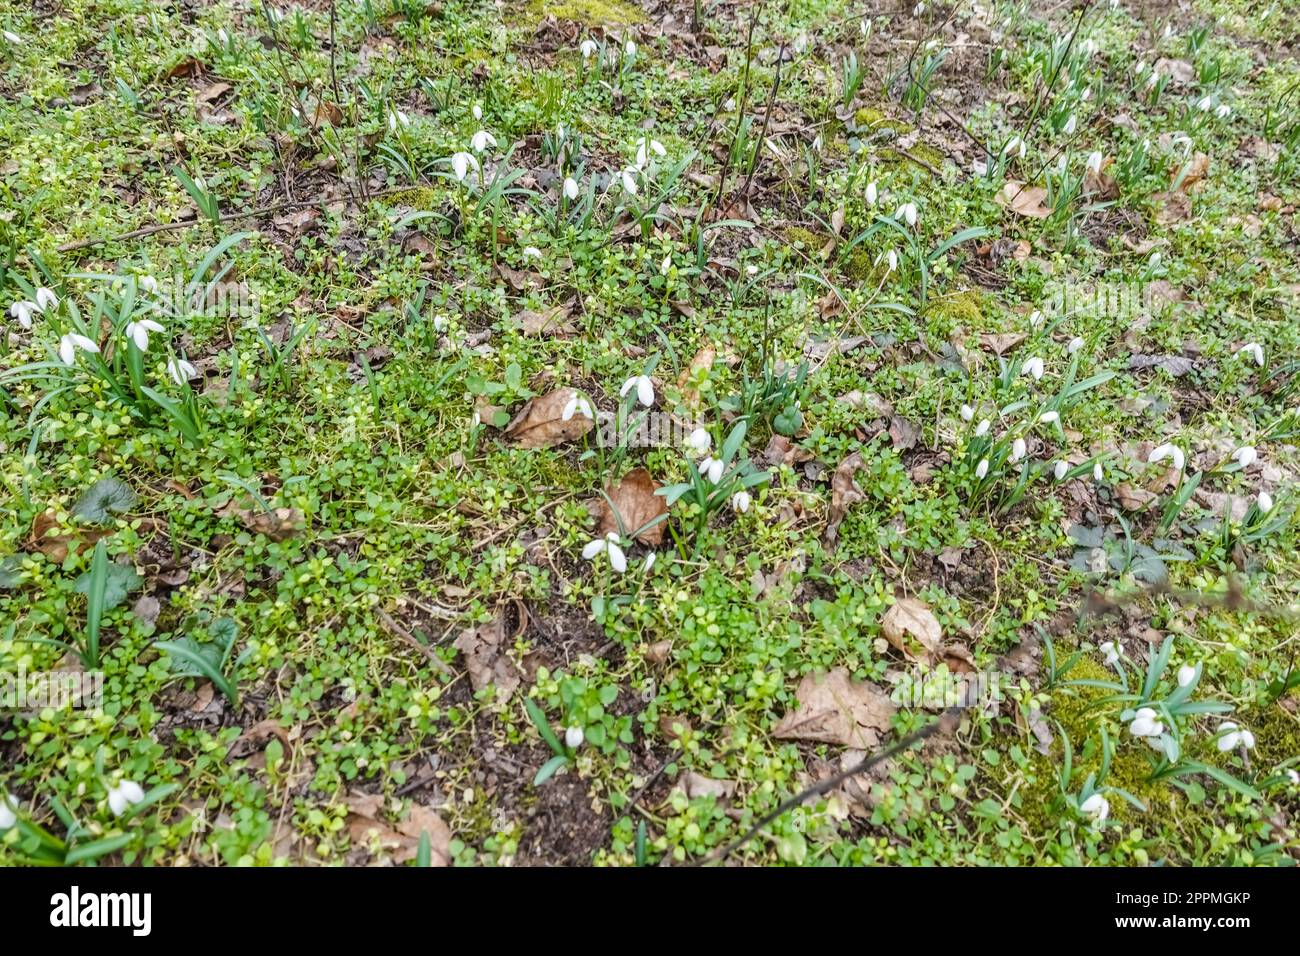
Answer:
(812, 243)
(1277, 733)
(874, 119)
(591, 12)
(961, 311)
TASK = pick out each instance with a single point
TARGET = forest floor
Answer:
(558, 433)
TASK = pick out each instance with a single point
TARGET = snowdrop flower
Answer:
(1035, 319)
(477, 111)
(588, 48)
(69, 344)
(397, 118)
(1089, 46)
(666, 264)
(645, 148)
(222, 36)
(1111, 653)
(1034, 367)
(650, 560)
(461, 164)
(628, 177)
(1076, 343)
(13, 38)
(46, 299)
(645, 389)
(1168, 450)
(573, 738)
(1049, 418)
(482, 140)
(817, 143)
(609, 543)
(740, 502)
(982, 428)
(8, 808)
(918, 9)
(1139, 67)
(1186, 674)
(23, 312)
(1204, 104)
(1061, 469)
(1291, 774)
(1231, 737)
(711, 468)
(1152, 80)
(1246, 455)
(891, 259)
(871, 193)
(532, 252)
(967, 413)
(699, 441)
(1256, 352)
(982, 469)
(1264, 502)
(630, 48)
(576, 405)
(1017, 450)
(138, 332)
(1096, 471)
(1016, 144)
(907, 213)
(148, 283)
(181, 371)
(1096, 807)
(1070, 125)
(123, 796)
(1094, 162)
(1145, 724)
(1223, 111)
(570, 188)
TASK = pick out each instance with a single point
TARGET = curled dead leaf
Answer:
(912, 628)
(844, 494)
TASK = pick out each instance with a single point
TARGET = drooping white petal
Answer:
(1060, 470)
(1096, 807)
(573, 737)
(23, 312)
(1245, 455)
(982, 468)
(593, 548)
(571, 188)
(46, 299)
(1264, 502)
(617, 559)
(740, 502)
(1186, 674)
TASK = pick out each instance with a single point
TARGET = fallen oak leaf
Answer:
(541, 422)
(844, 494)
(553, 321)
(635, 505)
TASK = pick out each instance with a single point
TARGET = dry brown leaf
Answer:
(1173, 207)
(486, 659)
(278, 524)
(836, 710)
(57, 546)
(553, 321)
(702, 362)
(213, 92)
(519, 279)
(635, 505)
(399, 844)
(1024, 200)
(327, 112)
(911, 627)
(844, 494)
(781, 450)
(541, 423)
(187, 67)
(1191, 173)
(999, 343)
(1180, 72)
(694, 785)
(1133, 498)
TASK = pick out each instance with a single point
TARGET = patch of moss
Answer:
(1277, 733)
(591, 12)
(870, 119)
(811, 241)
(962, 311)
